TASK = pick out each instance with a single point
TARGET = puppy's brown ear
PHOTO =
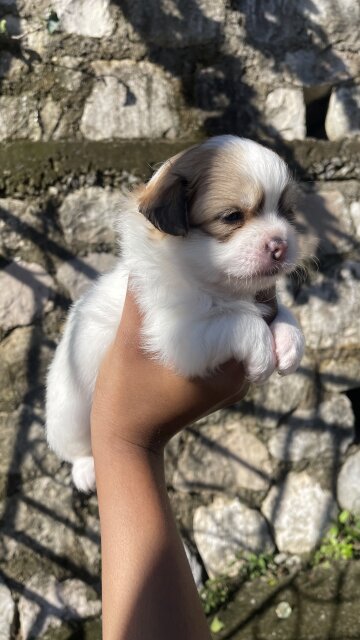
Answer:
(165, 199)
(164, 203)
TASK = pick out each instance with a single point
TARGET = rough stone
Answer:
(343, 115)
(326, 217)
(46, 603)
(348, 485)
(176, 25)
(50, 115)
(329, 311)
(11, 68)
(71, 77)
(77, 274)
(326, 432)
(7, 612)
(19, 118)
(24, 358)
(129, 100)
(224, 530)
(24, 450)
(313, 68)
(300, 512)
(20, 229)
(317, 23)
(285, 112)
(225, 458)
(26, 292)
(355, 216)
(88, 215)
(88, 18)
(42, 526)
(282, 395)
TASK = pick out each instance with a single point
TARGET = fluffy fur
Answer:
(212, 228)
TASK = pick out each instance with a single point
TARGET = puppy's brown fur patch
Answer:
(200, 187)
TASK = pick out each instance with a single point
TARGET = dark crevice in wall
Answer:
(316, 104)
(354, 397)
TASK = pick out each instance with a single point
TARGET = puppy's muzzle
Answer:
(277, 247)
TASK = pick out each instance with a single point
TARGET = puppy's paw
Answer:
(261, 361)
(289, 347)
(83, 474)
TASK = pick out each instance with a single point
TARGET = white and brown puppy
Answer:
(211, 229)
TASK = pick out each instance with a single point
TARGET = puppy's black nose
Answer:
(277, 247)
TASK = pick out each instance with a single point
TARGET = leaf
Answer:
(3, 26)
(344, 516)
(216, 625)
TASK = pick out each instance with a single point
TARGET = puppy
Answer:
(211, 230)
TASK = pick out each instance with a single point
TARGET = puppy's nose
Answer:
(277, 247)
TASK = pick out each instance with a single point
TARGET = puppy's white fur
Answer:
(196, 293)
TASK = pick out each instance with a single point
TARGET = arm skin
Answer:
(147, 587)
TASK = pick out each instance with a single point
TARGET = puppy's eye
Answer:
(233, 216)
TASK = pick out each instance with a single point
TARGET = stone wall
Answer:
(94, 93)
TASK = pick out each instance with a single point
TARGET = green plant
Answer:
(342, 542)
(256, 565)
(215, 593)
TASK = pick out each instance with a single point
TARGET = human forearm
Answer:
(148, 589)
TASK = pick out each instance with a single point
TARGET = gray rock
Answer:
(327, 218)
(26, 292)
(7, 612)
(299, 511)
(50, 116)
(348, 485)
(11, 67)
(24, 450)
(18, 224)
(325, 432)
(343, 115)
(42, 524)
(77, 274)
(87, 216)
(129, 100)
(285, 112)
(355, 216)
(46, 603)
(224, 530)
(226, 458)
(312, 68)
(71, 77)
(329, 311)
(88, 18)
(321, 22)
(19, 118)
(24, 358)
(176, 25)
(282, 395)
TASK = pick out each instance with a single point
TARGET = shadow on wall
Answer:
(221, 87)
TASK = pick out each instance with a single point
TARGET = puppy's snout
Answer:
(277, 247)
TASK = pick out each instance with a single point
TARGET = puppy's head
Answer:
(227, 205)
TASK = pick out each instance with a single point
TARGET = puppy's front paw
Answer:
(289, 347)
(83, 474)
(261, 361)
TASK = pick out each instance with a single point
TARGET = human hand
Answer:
(139, 401)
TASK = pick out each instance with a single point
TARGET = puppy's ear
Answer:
(164, 203)
(165, 200)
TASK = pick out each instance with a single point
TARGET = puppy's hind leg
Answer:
(68, 424)
(83, 474)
